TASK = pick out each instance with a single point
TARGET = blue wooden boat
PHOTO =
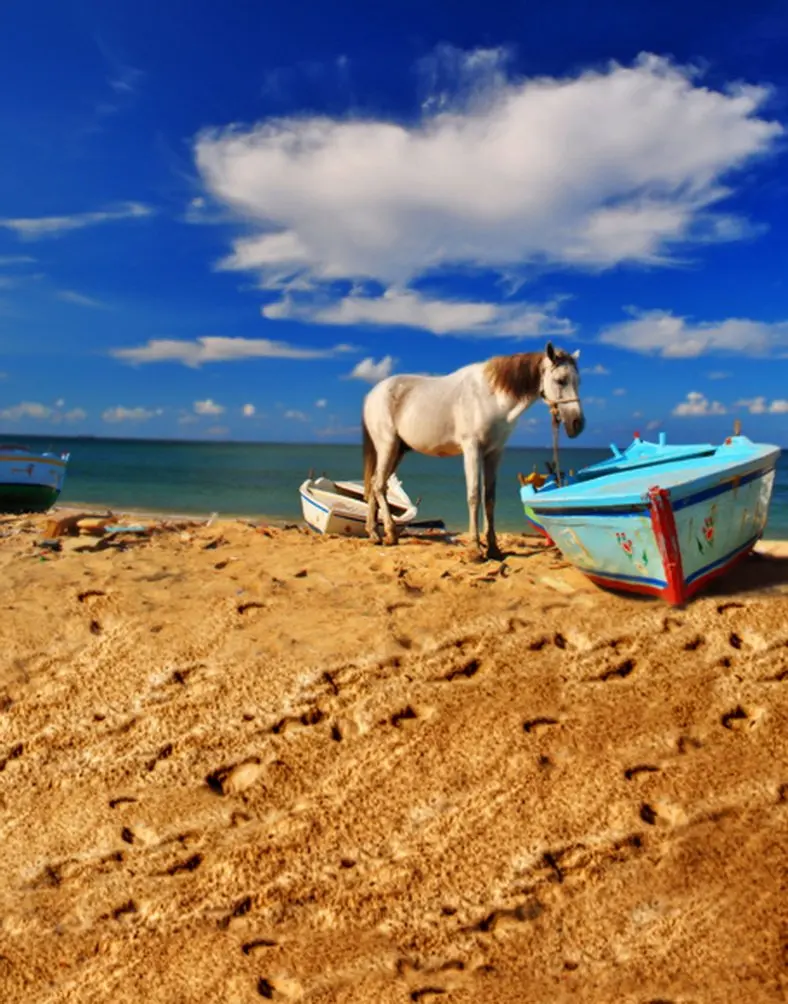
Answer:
(667, 529)
(639, 453)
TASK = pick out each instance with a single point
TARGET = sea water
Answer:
(262, 479)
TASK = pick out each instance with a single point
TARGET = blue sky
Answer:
(228, 220)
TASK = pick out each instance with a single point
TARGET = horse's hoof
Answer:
(494, 553)
(390, 540)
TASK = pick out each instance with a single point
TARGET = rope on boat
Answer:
(556, 430)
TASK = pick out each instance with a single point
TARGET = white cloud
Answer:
(621, 164)
(598, 401)
(659, 332)
(70, 296)
(26, 409)
(208, 407)
(696, 404)
(321, 403)
(217, 349)
(42, 412)
(404, 308)
(371, 371)
(760, 406)
(7, 260)
(122, 414)
(217, 430)
(719, 375)
(619, 392)
(652, 425)
(296, 416)
(32, 228)
(598, 370)
(248, 410)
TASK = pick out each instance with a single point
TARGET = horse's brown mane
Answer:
(519, 375)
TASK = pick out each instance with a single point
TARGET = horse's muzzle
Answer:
(575, 425)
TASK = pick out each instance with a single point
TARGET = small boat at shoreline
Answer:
(29, 481)
(339, 507)
(666, 529)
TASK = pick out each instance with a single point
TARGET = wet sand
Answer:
(241, 764)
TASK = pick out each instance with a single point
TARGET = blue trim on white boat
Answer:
(342, 515)
(730, 484)
(317, 505)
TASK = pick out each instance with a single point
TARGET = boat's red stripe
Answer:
(713, 573)
(629, 587)
(663, 524)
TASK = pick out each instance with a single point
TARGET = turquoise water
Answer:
(255, 479)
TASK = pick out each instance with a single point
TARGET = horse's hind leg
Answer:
(491, 462)
(389, 455)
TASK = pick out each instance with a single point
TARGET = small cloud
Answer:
(662, 333)
(60, 403)
(696, 405)
(15, 259)
(760, 406)
(187, 419)
(652, 425)
(42, 412)
(208, 407)
(619, 392)
(370, 371)
(218, 349)
(71, 296)
(718, 375)
(217, 430)
(26, 409)
(637, 414)
(248, 410)
(339, 431)
(31, 228)
(122, 414)
(321, 402)
(126, 80)
(598, 401)
(598, 370)
(296, 416)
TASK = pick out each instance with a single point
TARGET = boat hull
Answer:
(326, 520)
(29, 483)
(669, 545)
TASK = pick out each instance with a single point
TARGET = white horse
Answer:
(472, 411)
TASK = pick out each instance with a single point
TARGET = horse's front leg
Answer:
(387, 463)
(491, 462)
(472, 457)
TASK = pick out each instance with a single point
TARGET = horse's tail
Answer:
(370, 459)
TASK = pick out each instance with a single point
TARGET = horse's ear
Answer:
(549, 351)
(576, 354)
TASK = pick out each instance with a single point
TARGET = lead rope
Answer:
(556, 430)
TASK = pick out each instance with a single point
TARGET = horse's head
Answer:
(560, 387)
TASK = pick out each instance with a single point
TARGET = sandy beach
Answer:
(242, 763)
